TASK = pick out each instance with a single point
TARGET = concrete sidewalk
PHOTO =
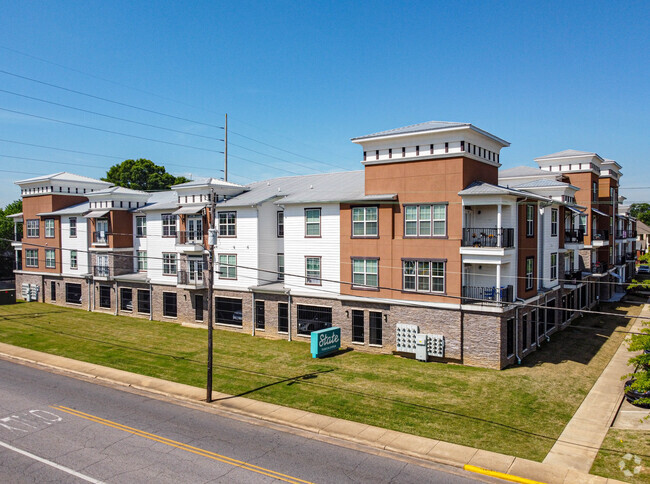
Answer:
(581, 439)
(379, 438)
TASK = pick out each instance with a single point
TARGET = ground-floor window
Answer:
(550, 315)
(104, 296)
(228, 311)
(144, 301)
(375, 329)
(198, 307)
(73, 293)
(260, 323)
(357, 326)
(540, 323)
(533, 321)
(510, 337)
(283, 317)
(53, 290)
(313, 318)
(169, 304)
(126, 299)
(524, 330)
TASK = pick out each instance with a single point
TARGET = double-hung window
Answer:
(227, 224)
(49, 228)
(280, 224)
(141, 226)
(425, 220)
(530, 220)
(73, 227)
(530, 266)
(73, 259)
(364, 222)
(423, 275)
(554, 266)
(168, 225)
(227, 266)
(280, 267)
(365, 273)
(312, 271)
(32, 228)
(554, 220)
(169, 264)
(142, 260)
(50, 258)
(312, 222)
(31, 257)
(582, 224)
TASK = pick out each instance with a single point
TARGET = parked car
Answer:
(643, 269)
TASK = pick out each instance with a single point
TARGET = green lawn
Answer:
(518, 411)
(624, 443)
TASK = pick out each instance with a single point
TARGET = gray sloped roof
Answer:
(203, 181)
(63, 176)
(483, 188)
(525, 171)
(167, 200)
(567, 154)
(641, 227)
(324, 187)
(118, 191)
(77, 209)
(542, 183)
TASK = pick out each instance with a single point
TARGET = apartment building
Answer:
(429, 238)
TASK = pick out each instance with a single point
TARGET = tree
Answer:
(7, 224)
(142, 174)
(641, 211)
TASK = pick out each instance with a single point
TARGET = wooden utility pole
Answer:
(211, 243)
(225, 152)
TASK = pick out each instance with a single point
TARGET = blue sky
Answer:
(299, 79)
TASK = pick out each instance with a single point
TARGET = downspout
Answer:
(150, 300)
(88, 281)
(43, 286)
(540, 245)
(517, 336)
(289, 313)
(117, 297)
(254, 312)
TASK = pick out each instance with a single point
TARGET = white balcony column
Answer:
(499, 209)
(498, 295)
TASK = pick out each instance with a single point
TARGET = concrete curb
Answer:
(411, 445)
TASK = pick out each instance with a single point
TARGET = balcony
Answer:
(573, 277)
(620, 260)
(18, 237)
(190, 279)
(574, 237)
(487, 295)
(630, 256)
(18, 265)
(101, 271)
(100, 237)
(600, 238)
(599, 268)
(490, 238)
(189, 241)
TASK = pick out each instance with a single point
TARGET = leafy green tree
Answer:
(142, 174)
(641, 342)
(7, 224)
(641, 211)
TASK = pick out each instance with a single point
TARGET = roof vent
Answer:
(268, 184)
(311, 187)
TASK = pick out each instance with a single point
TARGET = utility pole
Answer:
(225, 152)
(212, 241)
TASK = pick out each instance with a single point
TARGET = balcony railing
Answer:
(18, 237)
(190, 278)
(599, 268)
(100, 237)
(630, 256)
(189, 237)
(600, 235)
(574, 237)
(18, 265)
(620, 260)
(101, 271)
(476, 237)
(631, 234)
(479, 295)
(573, 276)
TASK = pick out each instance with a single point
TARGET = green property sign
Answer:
(325, 341)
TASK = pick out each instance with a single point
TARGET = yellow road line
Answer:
(182, 446)
(500, 475)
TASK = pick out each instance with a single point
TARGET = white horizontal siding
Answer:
(78, 243)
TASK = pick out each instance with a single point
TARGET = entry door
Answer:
(194, 229)
(102, 265)
(198, 307)
(102, 230)
(195, 265)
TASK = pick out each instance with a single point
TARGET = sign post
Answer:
(325, 341)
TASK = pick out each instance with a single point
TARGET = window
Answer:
(530, 265)
(142, 260)
(73, 227)
(364, 222)
(50, 260)
(550, 315)
(312, 222)
(73, 293)
(227, 266)
(594, 191)
(198, 307)
(283, 317)
(554, 266)
(425, 220)
(510, 337)
(423, 275)
(582, 224)
(31, 257)
(126, 299)
(227, 224)
(375, 336)
(228, 311)
(49, 228)
(169, 264)
(144, 301)
(357, 326)
(365, 272)
(524, 331)
(32, 228)
(169, 304)
(73, 259)
(53, 290)
(403, 151)
(105, 297)
(280, 267)
(280, 220)
(312, 271)
(260, 322)
(169, 225)
(554, 214)
(313, 318)
(141, 226)
(530, 220)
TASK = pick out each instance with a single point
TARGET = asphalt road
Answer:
(55, 428)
